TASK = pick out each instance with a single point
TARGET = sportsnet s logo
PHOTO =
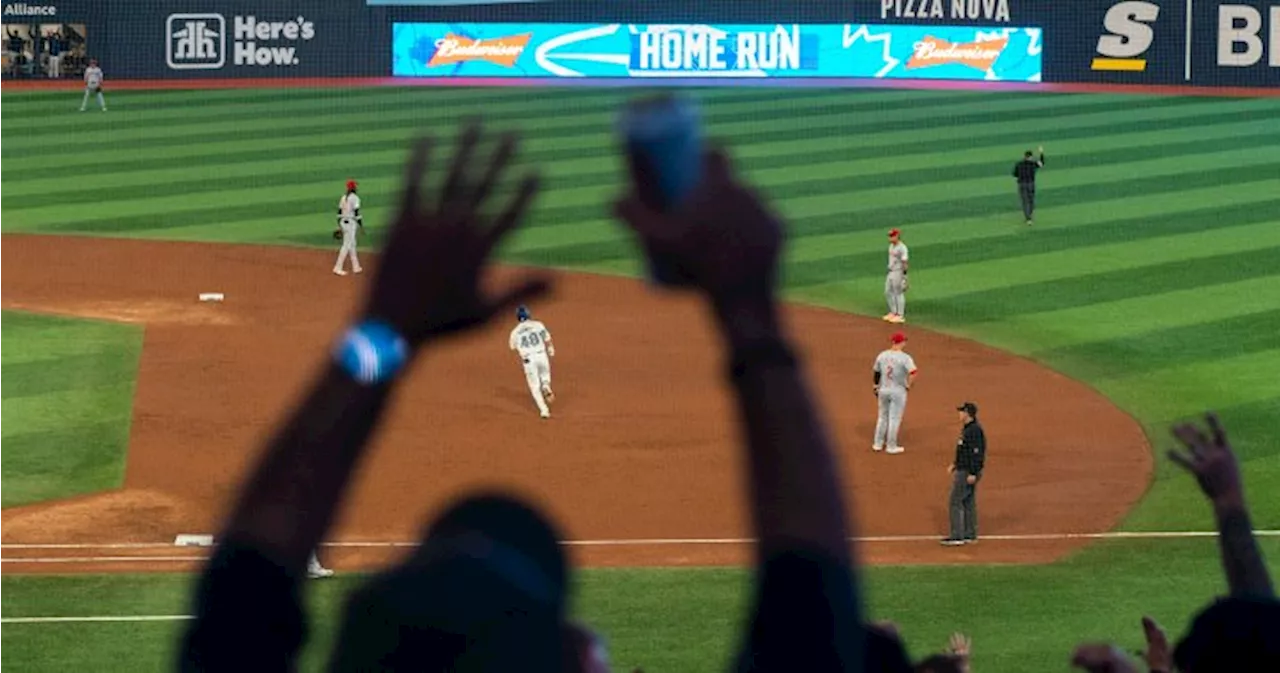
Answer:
(1129, 35)
(199, 41)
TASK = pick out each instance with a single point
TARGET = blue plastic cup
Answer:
(663, 141)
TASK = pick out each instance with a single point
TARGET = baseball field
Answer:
(1147, 291)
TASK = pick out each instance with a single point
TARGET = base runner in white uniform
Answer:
(316, 571)
(893, 373)
(350, 223)
(531, 340)
(93, 86)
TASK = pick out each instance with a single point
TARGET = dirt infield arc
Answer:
(641, 446)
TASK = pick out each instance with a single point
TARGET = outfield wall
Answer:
(1218, 43)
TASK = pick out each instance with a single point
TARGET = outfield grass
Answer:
(68, 395)
(1021, 618)
(1153, 273)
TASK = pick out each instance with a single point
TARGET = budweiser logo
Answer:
(497, 50)
(932, 51)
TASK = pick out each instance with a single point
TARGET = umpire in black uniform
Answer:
(966, 471)
(1025, 173)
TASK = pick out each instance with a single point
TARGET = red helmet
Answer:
(898, 337)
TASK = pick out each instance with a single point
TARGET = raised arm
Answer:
(1213, 462)
(805, 600)
(427, 287)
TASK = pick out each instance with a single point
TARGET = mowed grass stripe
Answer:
(959, 216)
(961, 279)
(545, 105)
(64, 461)
(34, 337)
(1083, 289)
(1178, 390)
(717, 107)
(68, 395)
(571, 128)
(1165, 197)
(801, 198)
(607, 173)
(70, 372)
(1235, 165)
(941, 255)
(386, 163)
(52, 411)
(1126, 216)
(215, 102)
(1223, 297)
(1154, 349)
(557, 119)
(602, 144)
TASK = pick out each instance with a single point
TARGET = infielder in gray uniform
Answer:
(895, 283)
(894, 373)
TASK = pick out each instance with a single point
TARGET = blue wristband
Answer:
(371, 352)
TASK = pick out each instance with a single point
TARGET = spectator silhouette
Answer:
(486, 589)
(1239, 633)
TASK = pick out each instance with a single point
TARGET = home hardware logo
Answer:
(199, 41)
(1129, 35)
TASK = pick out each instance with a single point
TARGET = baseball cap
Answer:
(969, 408)
(351, 184)
(895, 232)
(898, 337)
(486, 590)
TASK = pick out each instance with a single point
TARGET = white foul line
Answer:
(104, 559)
(1117, 535)
(641, 542)
(130, 618)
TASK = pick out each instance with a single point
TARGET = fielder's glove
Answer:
(337, 234)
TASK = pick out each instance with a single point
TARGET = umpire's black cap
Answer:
(486, 591)
(969, 408)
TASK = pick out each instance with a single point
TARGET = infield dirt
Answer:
(641, 446)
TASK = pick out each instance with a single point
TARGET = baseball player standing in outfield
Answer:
(971, 455)
(895, 283)
(531, 340)
(1025, 173)
(894, 373)
(93, 85)
(350, 223)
